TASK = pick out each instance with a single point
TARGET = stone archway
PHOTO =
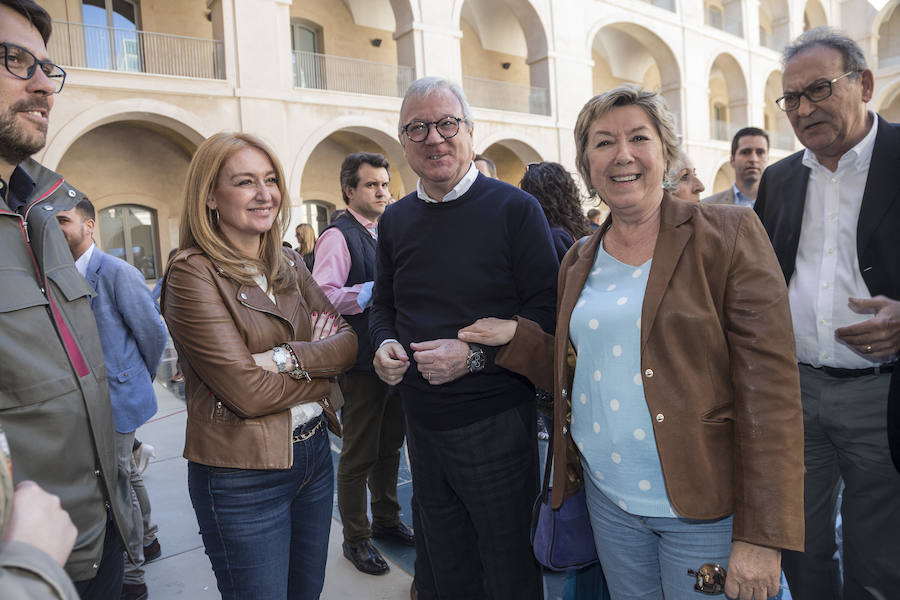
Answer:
(629, 53)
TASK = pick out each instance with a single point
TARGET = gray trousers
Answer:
(143, 529)
(845, 439)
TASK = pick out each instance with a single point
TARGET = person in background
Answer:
(681, 181)
(258, 343)
(133, 337)
(485, 166)
(749, 154)
(306, 244)
(687, 454)
(559, 197)
(372, 417)
(594, 216)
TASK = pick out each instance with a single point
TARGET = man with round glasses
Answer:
(832, 212)
(461, 247)
(54, 398)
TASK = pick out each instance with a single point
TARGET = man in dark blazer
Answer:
(832, 212)
(132, 336)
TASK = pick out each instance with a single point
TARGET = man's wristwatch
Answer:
(475, 359)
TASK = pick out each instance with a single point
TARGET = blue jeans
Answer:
(266, 531)
(647, 558)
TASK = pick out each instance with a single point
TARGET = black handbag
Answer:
(562, 538)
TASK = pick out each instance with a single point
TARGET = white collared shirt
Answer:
(458, 190)
(827, 267)
(82, 262)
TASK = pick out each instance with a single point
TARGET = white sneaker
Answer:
(143, 455)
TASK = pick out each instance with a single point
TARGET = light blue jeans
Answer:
(647, 558)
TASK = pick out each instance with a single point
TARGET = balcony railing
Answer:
(500, 95)
(135, 51)
(338, 73)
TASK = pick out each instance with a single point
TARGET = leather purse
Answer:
(562, 538)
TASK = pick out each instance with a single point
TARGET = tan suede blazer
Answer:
(719, 371)
(239, 414)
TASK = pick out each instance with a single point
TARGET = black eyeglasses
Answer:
(814, 93)
(710, 578)
(446, 127)
(23, 64)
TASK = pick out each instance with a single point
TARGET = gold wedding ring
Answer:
(869, 349)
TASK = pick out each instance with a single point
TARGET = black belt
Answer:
(847, 373)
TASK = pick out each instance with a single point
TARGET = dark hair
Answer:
(593, 213)
(746, 131)
(350, 168)
(35, 15)
(558, 195)
(86, 208)
(491, 166)
(830, 37)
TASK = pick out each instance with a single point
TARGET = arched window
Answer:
(129, 232)
(318, 214)
(719, 121)
(110, 34)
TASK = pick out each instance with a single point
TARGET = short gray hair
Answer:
(425, 86)
(670, 181)
(854, 59)
(652, 103)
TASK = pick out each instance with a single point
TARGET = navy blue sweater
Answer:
(439, 267)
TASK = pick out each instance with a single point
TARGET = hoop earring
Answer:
(215, 217)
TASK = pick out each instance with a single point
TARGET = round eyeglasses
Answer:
(417, 131)
(815, 92)
(23, 64)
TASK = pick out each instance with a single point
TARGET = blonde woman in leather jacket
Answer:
(258, 342)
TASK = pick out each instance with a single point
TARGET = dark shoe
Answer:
(152, 551)
(399, 533)
(366, 558)
(134, 591)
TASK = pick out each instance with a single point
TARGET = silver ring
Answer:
(869, 349)
(427, 374)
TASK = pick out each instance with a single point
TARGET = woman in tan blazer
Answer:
(677, 401)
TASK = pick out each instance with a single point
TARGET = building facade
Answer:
(148, 80)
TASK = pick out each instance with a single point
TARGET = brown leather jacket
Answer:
(719, 371)
(238, 413)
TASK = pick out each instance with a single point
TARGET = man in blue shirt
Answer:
(749, 154)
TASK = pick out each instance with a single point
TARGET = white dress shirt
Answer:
(81, 263)
(458, 190)
(827, 268)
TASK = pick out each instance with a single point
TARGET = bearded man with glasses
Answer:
(832, 212)
(460, 247)
(54, 398)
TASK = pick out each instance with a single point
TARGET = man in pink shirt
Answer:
(372, 416)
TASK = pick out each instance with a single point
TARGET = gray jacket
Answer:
(26, 572)
(54, 399)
